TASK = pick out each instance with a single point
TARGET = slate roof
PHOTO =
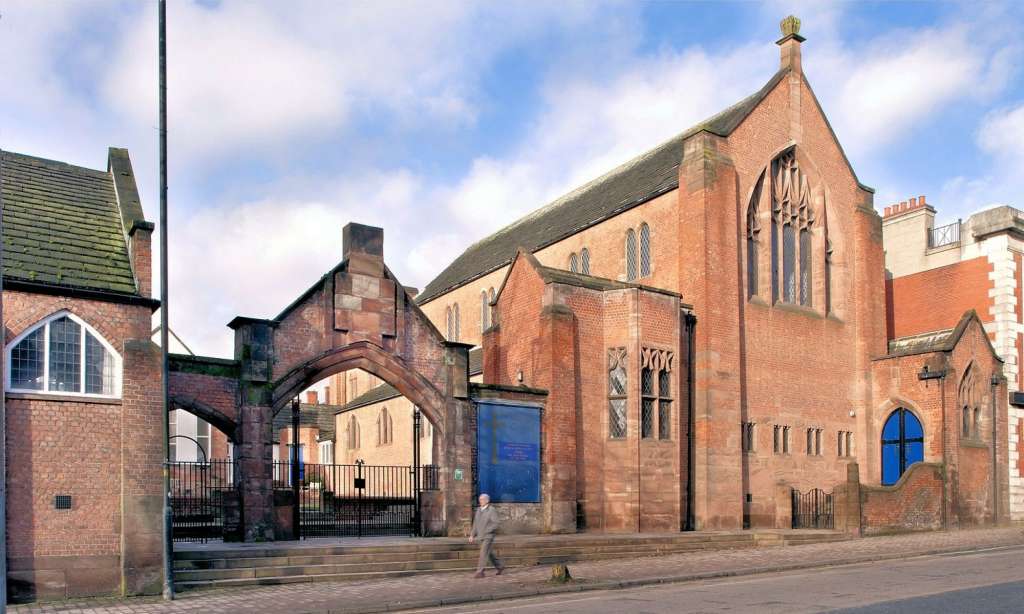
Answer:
(645, 177)
(938, 341)
(63, 226)
(320, 416)
(387, 391)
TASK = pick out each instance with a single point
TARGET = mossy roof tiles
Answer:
(62, 226)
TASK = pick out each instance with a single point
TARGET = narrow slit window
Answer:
(631, 255)
(617, 393)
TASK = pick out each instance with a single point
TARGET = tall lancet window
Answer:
(630, 255)
(828, 273)
(805, 267)
(753, 232)
(791, 210)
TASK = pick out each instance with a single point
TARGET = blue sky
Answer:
(442, 121)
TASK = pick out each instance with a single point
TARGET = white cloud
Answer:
(1001, 137)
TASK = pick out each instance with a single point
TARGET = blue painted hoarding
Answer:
(508, 452)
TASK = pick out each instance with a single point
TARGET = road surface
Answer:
(990, 582)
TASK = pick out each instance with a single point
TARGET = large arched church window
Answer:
(902, 444)
(63, 355)
(792, 218)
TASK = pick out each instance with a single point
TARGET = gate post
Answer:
(254, 351)
(416, 486)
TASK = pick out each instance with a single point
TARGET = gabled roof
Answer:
(647, 176)
(939, 341)
(63, 226)
(320, 415)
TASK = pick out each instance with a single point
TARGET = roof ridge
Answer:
(48, 162)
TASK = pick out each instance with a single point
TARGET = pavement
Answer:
(447, 589)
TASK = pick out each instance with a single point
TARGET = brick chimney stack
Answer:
(905, 207)
(312, 398)
(789, 44)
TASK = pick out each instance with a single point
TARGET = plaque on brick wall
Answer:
(508, 452)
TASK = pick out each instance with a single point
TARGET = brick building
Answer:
(82, 382)
(702, 331)
(748, 244)
(967, 264)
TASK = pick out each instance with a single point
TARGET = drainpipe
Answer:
(925, 375)
(995, 456)
(691, 473)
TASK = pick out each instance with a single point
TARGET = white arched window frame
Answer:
(85, 334)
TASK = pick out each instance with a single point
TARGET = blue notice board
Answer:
(508, 452)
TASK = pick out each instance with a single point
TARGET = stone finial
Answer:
(790, 26)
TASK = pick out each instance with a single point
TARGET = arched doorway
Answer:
(902, 444)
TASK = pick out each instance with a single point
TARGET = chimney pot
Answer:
(888, 211)
(913, 203)
(920, 199)
(312, 397)
(903, 205)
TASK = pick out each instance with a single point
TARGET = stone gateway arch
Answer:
(357, 316)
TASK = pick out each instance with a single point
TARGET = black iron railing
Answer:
(944, 235)
(200, 493)
(358, 499)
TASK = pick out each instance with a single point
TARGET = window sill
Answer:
(757, 300)
(795, 308)
(61, 398)
(973, 443)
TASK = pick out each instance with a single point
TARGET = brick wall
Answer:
(911, 302)
(113, 528)
(912, 504)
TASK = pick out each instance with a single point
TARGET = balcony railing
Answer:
(944, 235)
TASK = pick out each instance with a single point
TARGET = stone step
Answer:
(428, 546)
(224, 567)
(515, 557)
(187, 580)
(463, 553)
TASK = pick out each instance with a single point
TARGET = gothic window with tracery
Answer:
(617, 365)
(792, 218)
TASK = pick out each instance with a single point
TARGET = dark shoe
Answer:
(478, 574)
(500, 569)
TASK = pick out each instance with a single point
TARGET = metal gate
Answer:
(357, 500)
(200, 494)
(812, 509)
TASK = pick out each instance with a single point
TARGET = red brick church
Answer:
(701, 334)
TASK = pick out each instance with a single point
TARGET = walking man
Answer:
(485, 525)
